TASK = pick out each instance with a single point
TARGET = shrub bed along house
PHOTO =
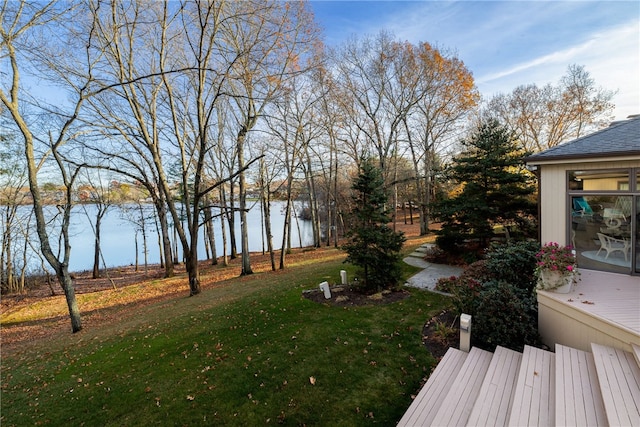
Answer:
(499, 293)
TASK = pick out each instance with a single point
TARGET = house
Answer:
(590, 199)
(589, 191)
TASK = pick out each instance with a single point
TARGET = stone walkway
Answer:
(428, 277)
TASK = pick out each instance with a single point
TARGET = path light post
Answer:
(324, 287)
(465, 332)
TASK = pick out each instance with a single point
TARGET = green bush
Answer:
(465, 295)
(514, 263)
(504, 317)
(498, 293)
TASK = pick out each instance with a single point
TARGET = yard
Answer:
(246, 351)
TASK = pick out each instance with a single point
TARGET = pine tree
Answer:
(496, 188)
(373, 245)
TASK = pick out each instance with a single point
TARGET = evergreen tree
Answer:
(373, 245)
(496, 189)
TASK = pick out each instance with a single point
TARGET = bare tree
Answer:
(544, 117)
(271, 45)
(102, 200)
(13, 219)
(446, 94)
(378, 97)
(26, 45)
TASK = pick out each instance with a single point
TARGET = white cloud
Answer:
(612, 57)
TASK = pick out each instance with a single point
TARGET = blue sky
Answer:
(509, 43)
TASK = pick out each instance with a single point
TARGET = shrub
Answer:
(478, 271)
(504, 316)
(498, 293)
(465, 295)
(514, 263)
(446, 284)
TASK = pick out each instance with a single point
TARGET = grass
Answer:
(249, 351)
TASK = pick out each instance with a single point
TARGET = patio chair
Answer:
(582, 209)
(611, 244)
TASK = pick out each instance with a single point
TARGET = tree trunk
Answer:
(313, 205)
(231, 217)
(96, 247)
(161, 210)
(208, 223)
(285, 230)
(223, 219)
(267, 229)
(70, 296)
(244, 227)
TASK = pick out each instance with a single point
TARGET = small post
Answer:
(465, 332)
(324, 287)
(343, 277)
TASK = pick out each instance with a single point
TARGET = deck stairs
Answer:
(534, 388)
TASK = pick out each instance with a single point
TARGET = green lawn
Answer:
(250, 352)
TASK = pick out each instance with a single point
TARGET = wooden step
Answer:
(619, 378)
(578, 397)
(495, 398)
(425, 406)
(457, 405)
(533, 401)
(636, 353)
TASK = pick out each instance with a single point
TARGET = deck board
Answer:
(533, 402)
(459, 402)
(425, 405)
(493, 406)
(614, 297)
(619, 378)
(636, 352)
(578, 398)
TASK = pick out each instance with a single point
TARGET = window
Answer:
(599, 180)
(604, 205)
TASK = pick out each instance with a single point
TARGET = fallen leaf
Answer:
(190, 397)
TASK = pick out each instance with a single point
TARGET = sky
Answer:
(509, 43)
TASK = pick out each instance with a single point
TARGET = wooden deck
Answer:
(536, 388)
(591, 379)
(604, 308)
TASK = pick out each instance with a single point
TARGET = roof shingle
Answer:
(620, 139)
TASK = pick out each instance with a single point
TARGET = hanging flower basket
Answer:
(556, 268)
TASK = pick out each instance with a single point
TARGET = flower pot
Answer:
(556, 281)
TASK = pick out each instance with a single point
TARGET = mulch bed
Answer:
(345, 296)
(436, 342)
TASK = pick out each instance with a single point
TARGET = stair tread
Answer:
(533, 401)
(425, 405)
(578, 397)
(458, 403)
(636, 352)
(495, 398)
(619, 378)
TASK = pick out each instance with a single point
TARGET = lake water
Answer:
(118, 236)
